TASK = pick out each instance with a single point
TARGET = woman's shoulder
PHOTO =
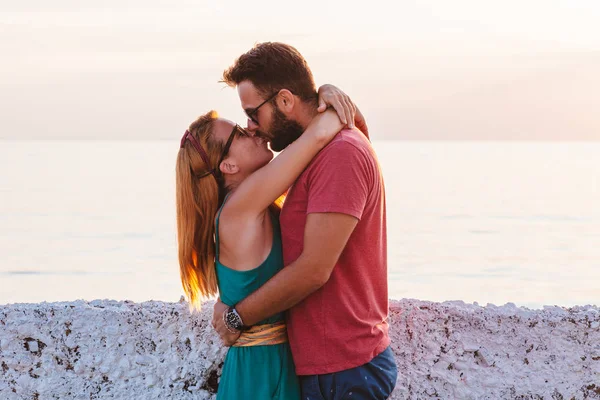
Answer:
(231, 213)
(239, 230)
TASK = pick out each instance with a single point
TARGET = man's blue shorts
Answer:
(373, 380)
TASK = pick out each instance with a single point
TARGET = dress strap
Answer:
(217, 226)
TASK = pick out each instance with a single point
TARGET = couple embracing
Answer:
(295, 246)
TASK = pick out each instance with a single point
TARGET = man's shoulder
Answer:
(350, 148)
(349, 140)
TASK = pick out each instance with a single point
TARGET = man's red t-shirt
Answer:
(344, 323)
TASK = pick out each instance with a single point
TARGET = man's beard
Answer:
(283, 131)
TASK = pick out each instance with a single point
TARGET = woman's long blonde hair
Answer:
(198, 199)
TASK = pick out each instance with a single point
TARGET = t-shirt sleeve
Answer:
(339, 181)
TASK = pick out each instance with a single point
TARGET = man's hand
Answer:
(227, 337)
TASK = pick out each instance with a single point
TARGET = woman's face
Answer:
(247, 151)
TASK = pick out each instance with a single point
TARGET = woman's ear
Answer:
(228, 167)
(286, 101)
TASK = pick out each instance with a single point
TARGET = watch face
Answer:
(233, 320)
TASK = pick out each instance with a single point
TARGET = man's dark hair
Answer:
(272, 66)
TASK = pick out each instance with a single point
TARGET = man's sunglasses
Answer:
(251, 112)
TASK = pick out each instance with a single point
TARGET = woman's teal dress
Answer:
(255, 372)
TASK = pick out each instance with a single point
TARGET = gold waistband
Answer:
(263, 335)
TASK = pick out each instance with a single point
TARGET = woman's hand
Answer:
(325, 126)
(349, 114)
(331, 96)
(361, 123)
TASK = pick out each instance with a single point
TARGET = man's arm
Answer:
(325, 236)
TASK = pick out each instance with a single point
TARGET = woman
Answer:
(231, 248)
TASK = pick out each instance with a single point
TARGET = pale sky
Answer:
(422, 69)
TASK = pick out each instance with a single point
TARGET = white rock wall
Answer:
(107, 349)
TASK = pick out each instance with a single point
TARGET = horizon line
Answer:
(64, 139)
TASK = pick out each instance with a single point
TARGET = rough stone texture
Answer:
(455, 350)
(107, 349)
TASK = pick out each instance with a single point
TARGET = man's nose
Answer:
(252, 127)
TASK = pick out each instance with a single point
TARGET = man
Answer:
(334, 240)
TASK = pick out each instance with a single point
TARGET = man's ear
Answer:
(228, 167)
(286, 101)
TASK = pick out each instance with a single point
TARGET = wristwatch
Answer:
(233, 321)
